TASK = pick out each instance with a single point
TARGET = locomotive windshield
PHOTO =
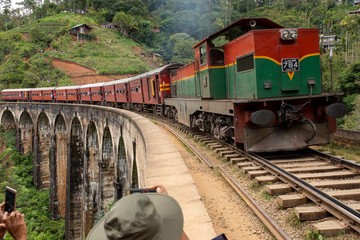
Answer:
(217, 57)
(233, 33)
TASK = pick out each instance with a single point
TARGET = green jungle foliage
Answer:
(16, 172)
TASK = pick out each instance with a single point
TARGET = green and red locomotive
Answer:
(258, 84)
(253, 83)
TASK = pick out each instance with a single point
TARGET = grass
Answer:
(292, 218)
(314, 236)
(265, 195)
(349, 152)
(110, 53)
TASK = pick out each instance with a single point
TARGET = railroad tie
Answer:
(277, 189)
(223, 153)
(230, 156)
(221, 149)
(293, 200)
(330, 228)
(238, 160)
(310, 213)
(251, 168)
(253, 174)
(216, 146)
(266, 179)
(244, 164)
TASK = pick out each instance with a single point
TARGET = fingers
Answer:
(2, 227)
(6, 217)
(160, 189)
(2, 207)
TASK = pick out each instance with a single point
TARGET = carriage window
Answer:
(216, 57)
(245, 63)
(203, 57)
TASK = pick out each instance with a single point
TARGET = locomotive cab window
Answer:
(216, 57)
(203, 55)
(245, 63)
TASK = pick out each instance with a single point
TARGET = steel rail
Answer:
(352, 165)
(197, 153)
(273, 227)
(330, 204)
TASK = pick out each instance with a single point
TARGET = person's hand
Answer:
(2, 224)
(15, 224)
(160, 189)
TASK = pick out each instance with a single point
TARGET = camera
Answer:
(10, 199)
(139, 190)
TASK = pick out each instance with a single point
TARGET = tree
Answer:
(30, 6)
(352, 120)
(125, 23)
(350, 83)
(182, 44)
(13, 70)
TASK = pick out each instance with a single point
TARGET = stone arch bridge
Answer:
(86, 155)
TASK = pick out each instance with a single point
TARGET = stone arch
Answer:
(91, 185)
(121, 170)
(26, 133)
(8, 120)
(75, 173)
(107, 169)
(42, 154)
(135, 172)
(60, 166)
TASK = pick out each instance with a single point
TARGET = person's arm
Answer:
(184, 236)
(2, 224)
(15, 224)
(160, 189)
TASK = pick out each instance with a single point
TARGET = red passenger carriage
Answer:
(116, 91)
(67, 94)
(92, 93)
(43, 94)
(15, 94)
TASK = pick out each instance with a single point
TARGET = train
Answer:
(254, 84)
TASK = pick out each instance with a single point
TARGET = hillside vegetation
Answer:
(27, 52)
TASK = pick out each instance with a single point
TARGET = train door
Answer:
(148, 82)
(127, 93)
(142, 90)
(197, 78)
(157, 89)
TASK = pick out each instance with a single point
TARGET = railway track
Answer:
(322, 189)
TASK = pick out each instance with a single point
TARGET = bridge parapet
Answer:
(86, 155)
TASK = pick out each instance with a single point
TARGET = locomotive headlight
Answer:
(293, 34)
(289, 34)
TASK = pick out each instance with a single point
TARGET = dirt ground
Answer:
(80, 75)
(228, 213)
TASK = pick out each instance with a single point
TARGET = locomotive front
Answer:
(280, 72)
(267, 80)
